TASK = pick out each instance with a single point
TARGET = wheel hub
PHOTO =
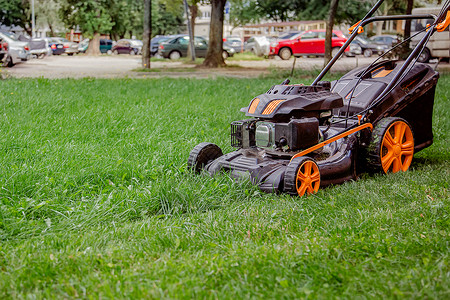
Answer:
(397, 150)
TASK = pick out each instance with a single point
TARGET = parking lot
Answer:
(107, 66)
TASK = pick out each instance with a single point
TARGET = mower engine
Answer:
(286, 118)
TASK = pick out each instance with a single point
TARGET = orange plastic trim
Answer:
(383, 73)
(359, 119)
(253, 106)
(360, 29)
(308, 178)
(444, 24)
(397, 148)
(337, 137)
(271, 107)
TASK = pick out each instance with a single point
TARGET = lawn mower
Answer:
(299, 138)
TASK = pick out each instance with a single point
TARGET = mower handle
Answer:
(356, 31)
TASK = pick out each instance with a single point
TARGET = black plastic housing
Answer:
(299, 133)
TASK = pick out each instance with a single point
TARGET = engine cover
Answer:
(282, 102)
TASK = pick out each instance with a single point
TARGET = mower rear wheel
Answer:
(302, 176)
(202, 154)
(392, 146)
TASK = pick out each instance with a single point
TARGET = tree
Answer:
(147, 36)
(127, 18)
(282, 10)
(167, 17)
(329, 31)
(47, 14)
(214, 56)
(93, 18)
(16, 13)
(243, 12)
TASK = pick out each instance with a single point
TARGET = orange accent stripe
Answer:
(253, 106)
(339, 136)
(271, 107)
(383, 73)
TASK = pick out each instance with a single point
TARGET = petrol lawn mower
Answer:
(302, 137)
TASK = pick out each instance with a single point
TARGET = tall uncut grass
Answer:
(96, 201)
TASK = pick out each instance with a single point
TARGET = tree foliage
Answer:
(47, 14)
(167, 17)
(348, 10)
(92, 16)
(16, 13)
(243, 12)
(290, 10)
(281, 10)
(127, 18)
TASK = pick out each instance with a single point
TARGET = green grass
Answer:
(245, 56)
(96, 202)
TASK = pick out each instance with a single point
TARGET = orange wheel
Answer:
(392, 145)
(302, 177)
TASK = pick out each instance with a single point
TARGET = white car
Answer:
(259, 45)
(17, 51)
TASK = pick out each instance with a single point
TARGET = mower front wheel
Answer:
(302, 177)
(202, 154)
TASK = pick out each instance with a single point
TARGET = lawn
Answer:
(96, 202)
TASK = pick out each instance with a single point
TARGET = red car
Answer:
(311, 42)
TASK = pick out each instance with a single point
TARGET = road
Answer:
(119, 66)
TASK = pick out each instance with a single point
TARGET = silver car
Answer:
(17, 51)
(70, 48)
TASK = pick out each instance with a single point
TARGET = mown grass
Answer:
(96, 201)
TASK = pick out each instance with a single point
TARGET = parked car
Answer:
(235, 43)
(355, 49)
(55, 45)
(156, 41)
(311, 42)
(70, 48)
(386, 39)
(83, 45)
(17, 51)
(368, 47)
(259, 45)
(177, 47)
(38, 47)
(439, 44)
(3, 50)
(127, 46)
(105, 46)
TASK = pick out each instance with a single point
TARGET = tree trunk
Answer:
(214, 56)
(329, 31)
(147, 34)
(193, 9)
(52, 33)
(409, 7)
(94, 45)
(194, 13)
